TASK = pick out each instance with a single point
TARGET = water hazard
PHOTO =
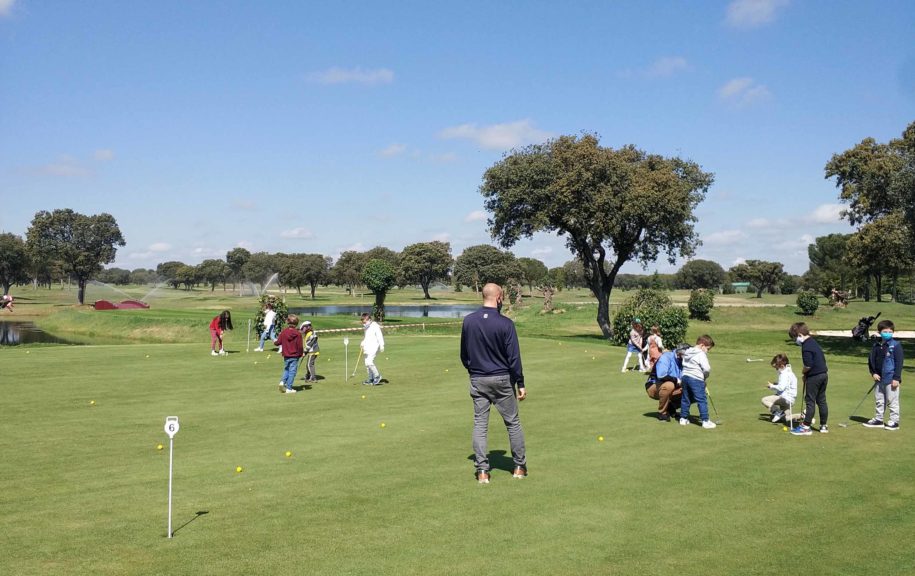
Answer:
(15, 333)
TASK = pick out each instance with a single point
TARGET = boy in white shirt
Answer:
(785, 389)
(372, 344)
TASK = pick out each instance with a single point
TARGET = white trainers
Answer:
(684, 421)
(258, 349)
(708, 424)
(214, 353)
(222, 352)
(290, 390)
(777, 415)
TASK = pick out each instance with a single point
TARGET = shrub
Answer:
(651, 307)
(727, 288)
(807, 302)
(700, 304)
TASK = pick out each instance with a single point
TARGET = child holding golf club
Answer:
(311, 350)
(785, 389)
(219, 324)
(815, 377)
(269, 322)
(371, 344)
(654, 346)
(635, 345)
(290, 343)
(696, 370)
(885, 365)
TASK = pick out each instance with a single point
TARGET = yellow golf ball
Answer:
(363, 396)
(785, 428)
(147, 355)
(268, 356)
(28, 351)
(91, 402)
(238, 469)
(593, 358)
(159, 446)
(600, 438)
(382, 424)
(255, 362)
(288, 454)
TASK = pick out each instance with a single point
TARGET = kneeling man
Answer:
(663, 385)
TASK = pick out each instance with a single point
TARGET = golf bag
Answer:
(861, 331)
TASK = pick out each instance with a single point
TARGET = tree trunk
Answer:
(878, 279)
(379, 306)
(425, 286)
(313, 286)
(81, 291)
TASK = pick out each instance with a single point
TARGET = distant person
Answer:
(785, 388)
(290, 343)
(635, 344)
(372, 343)
(490, 353)
(6, 303)
(885, 365)
(218, 326)
(311, 350)
(663, 384)
(654, 346)
(696, 370)
(269, 326)
(815, 377)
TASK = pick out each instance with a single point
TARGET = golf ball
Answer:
(382, 424)
(785, 428)
(600, 438)
(593, 358)
(255, 363)
(159, 447)
(238, 469)
(268, 356)
(147, 355)
(28, 351)
(92, 402)
(288, 454)
(363, 396)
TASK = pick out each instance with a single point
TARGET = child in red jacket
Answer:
(290, 343)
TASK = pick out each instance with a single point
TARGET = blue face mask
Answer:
(886, 336)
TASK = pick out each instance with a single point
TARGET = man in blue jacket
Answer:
(663, 385)
(490, 352)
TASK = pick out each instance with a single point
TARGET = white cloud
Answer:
(65, 167)
(392, 150)
(103, 155)
(497, 136)
(753, 13)
(445, 158)
(544, 251)
(758, 223)
(744, 91)
(159, 247)
(357, 75)
(247, 245)
(667, 66)
(826, 214)
(475, 216)
(723, 237)
(442, 237)
(299, 232)
(6, 7)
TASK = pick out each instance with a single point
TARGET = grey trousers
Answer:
(486, 391)
(885, 396)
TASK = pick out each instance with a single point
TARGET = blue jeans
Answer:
(693, 391)
(268, 331)
(290, 367)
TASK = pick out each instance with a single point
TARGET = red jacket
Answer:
(290, 343)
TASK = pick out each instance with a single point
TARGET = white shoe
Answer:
(684, 421)
(214, 353)
(258, 349)
(290, 390)
(777, 415)
(708, 424)
(222, 352)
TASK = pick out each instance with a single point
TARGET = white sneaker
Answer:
(777, 415)
(684, 421)
(290, 390)
(708, 424)
(214, 353)
(258, 349)
(222, 352)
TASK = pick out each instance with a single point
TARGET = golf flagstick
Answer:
(866, 394)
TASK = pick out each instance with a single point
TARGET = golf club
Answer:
(356, 366)
(866, 394)
(712, 402)
(754, 359)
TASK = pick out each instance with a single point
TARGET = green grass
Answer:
(83, 489)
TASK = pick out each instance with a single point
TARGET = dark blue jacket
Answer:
(813, 357)
(885, 361)
(489, 346)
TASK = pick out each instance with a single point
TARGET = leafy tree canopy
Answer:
(424, 263)
(379, 276)
(697, 274)
(483, 263)
(761, 274)
(14, 261)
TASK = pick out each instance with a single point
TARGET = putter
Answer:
(712, 402)
(754, 359)
(868, 393)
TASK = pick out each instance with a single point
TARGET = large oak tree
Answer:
(424, 263)
(83, 244)
(611, 205)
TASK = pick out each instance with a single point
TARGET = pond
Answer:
(409, 311)
(15, 333)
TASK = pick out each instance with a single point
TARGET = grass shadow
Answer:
(498, 460)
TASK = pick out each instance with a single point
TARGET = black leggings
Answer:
(815, 393)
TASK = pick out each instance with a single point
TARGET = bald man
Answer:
(490, 352)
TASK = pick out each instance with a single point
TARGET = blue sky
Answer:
(330, 126)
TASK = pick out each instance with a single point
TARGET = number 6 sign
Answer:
(171, 426)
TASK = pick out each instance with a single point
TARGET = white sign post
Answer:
(346, 354)
(171, 428)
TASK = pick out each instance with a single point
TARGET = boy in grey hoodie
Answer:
(696, 369)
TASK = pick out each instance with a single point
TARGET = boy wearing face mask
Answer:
(885, 365)
(815, 375)
(785, 390)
